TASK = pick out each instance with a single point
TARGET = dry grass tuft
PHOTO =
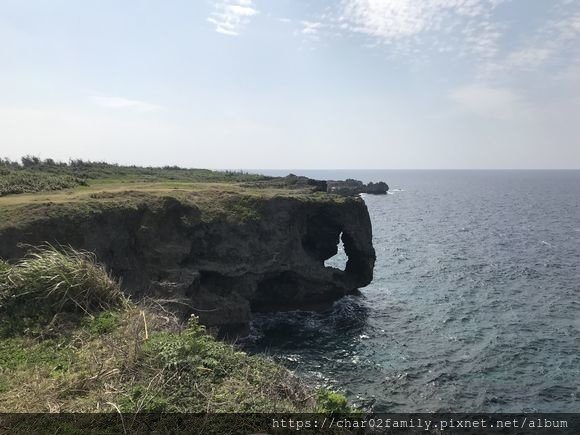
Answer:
(62, 277)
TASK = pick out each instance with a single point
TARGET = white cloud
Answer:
(310, 32)
(556, 41)
(124, 103)
(464, 25)
(231, 16)
(490, 102)
(471, 30)
(529, 58)
(310, 27)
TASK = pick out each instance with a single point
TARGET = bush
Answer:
(51, 281)
(29, 181)
(103, 323)
(332, 402)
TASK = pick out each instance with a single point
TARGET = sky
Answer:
(322, 84)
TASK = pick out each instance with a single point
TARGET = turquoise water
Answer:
(475, 304)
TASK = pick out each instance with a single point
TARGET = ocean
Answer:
(475, 302)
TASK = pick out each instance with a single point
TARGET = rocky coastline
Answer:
(225, 267)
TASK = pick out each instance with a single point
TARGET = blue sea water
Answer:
(475, 302)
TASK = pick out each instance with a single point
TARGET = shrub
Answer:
(332, 402)
(51, 281)
(103, 323)
(29, 181)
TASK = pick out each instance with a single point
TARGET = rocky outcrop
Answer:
(221, 269)
(348, 187)
(292, 182)
(351, 187)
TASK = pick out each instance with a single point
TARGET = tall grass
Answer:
(4, 269)
(127, 357)
(52, 280)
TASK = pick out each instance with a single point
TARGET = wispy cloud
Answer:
(556, 41)
(464, 26)
(490, 102)
(124, 103)
(310, 27)
(310, 31)
(231, 16)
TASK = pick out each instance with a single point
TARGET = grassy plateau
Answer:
(37, 189)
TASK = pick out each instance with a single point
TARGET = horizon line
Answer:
(398, 169)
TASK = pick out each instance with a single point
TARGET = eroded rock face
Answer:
(222, 269)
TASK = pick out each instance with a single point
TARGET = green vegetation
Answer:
(26, 181)
(70, 341)
(35, 175)
(332, 402)
(103, 323)
(44, 189)
(49, 283)
(214, 201)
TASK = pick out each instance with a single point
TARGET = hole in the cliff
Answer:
(339, 260)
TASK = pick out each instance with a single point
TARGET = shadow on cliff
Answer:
(318, 331)
(254, 254)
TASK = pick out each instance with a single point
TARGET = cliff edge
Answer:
(219, 251)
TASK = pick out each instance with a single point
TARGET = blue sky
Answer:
(293, 84)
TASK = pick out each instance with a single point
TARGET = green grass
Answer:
(51, 282)
(223, 201)
(192, 372)
(43, 189)
(36, 175)
(115, 355)
(25, 353)
(26, 181)
(103, 323)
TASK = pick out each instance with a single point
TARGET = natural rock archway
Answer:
(222, 269)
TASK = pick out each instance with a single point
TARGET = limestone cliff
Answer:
(221, 268)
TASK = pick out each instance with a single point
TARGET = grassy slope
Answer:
(106, 362)
(120, 356)
(69, 341)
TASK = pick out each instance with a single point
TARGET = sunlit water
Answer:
(475, 304)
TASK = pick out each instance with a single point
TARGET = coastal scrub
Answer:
(71, 342)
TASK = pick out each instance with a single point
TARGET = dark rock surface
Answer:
(223, 269)
(291, 182)
(351, 187)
